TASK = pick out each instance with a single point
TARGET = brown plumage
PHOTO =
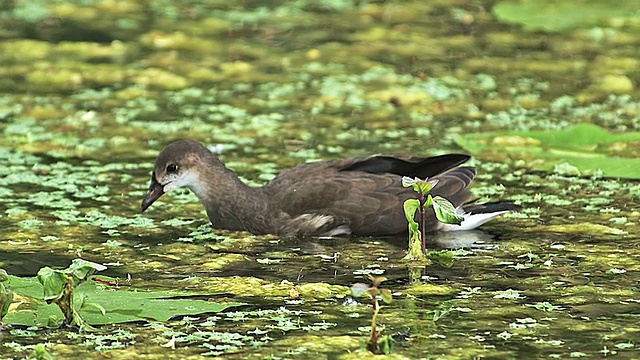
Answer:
(360, 196)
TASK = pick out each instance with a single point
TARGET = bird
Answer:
(360, 196)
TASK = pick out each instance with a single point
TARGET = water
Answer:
(287, 83)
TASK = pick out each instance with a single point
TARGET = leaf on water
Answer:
(585, 149)
(445, 211)
(6, 298)
(52, 281)
(557, 16)
(119, 306)
(82, 268)
(98, 307)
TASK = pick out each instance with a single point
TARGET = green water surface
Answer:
(91, 91)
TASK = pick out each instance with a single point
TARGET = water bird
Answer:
(359, 196)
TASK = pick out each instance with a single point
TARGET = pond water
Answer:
(91, 91)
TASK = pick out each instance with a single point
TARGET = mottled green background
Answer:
(90, 92)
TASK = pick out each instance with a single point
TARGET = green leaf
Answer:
(53, 282)
(386, 295)
(82, 268)
(376, 281)
(97, 306)
(420, 186)
(587, 148)
(6, 298)
(122, 305)
(41, 353)
(410, 207)
(442, 257)
(557, 16)
(409, 182)
(385, 344)
(445, 211)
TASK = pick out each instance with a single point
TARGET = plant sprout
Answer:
(376, 343)
(444, 210)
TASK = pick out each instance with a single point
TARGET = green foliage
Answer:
(377, 344)
(58, 288)
(65, 293)
(557, 16)
(414, 253)
(584, 149)
(444, 210)
(422, 187)
(411, 206)
(385, 344)
(40, 352)
(6, 295)
(30, 11)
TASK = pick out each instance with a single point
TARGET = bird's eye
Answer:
(171, 168)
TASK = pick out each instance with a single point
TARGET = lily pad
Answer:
(588, 148)
(558, 16)
(121, 304)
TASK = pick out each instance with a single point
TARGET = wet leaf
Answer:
(410, 208)
(445, 211)
(582, 149)
(6, 298)
(53, 282)
(119, 306)
(82, 268)
(559, 16)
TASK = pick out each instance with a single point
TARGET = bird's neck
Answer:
(230, 203)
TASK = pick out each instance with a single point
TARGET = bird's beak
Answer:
(154, 193)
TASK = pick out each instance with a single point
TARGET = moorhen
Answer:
(359, 196)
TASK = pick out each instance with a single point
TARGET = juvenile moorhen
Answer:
(359, 196)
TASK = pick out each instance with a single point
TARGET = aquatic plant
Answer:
(6, 295)
(444, 210)
(377, 344)
(65, 293)
(59, 288)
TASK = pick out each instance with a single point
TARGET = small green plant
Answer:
(444, 210)
(40, 352)
(377, 344)
(58, 297)
(6, 295)
(59, 288)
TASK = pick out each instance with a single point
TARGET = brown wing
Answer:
(365, 194)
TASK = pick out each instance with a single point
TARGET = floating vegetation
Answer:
(91, 90)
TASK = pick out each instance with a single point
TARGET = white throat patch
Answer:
(186, 179)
